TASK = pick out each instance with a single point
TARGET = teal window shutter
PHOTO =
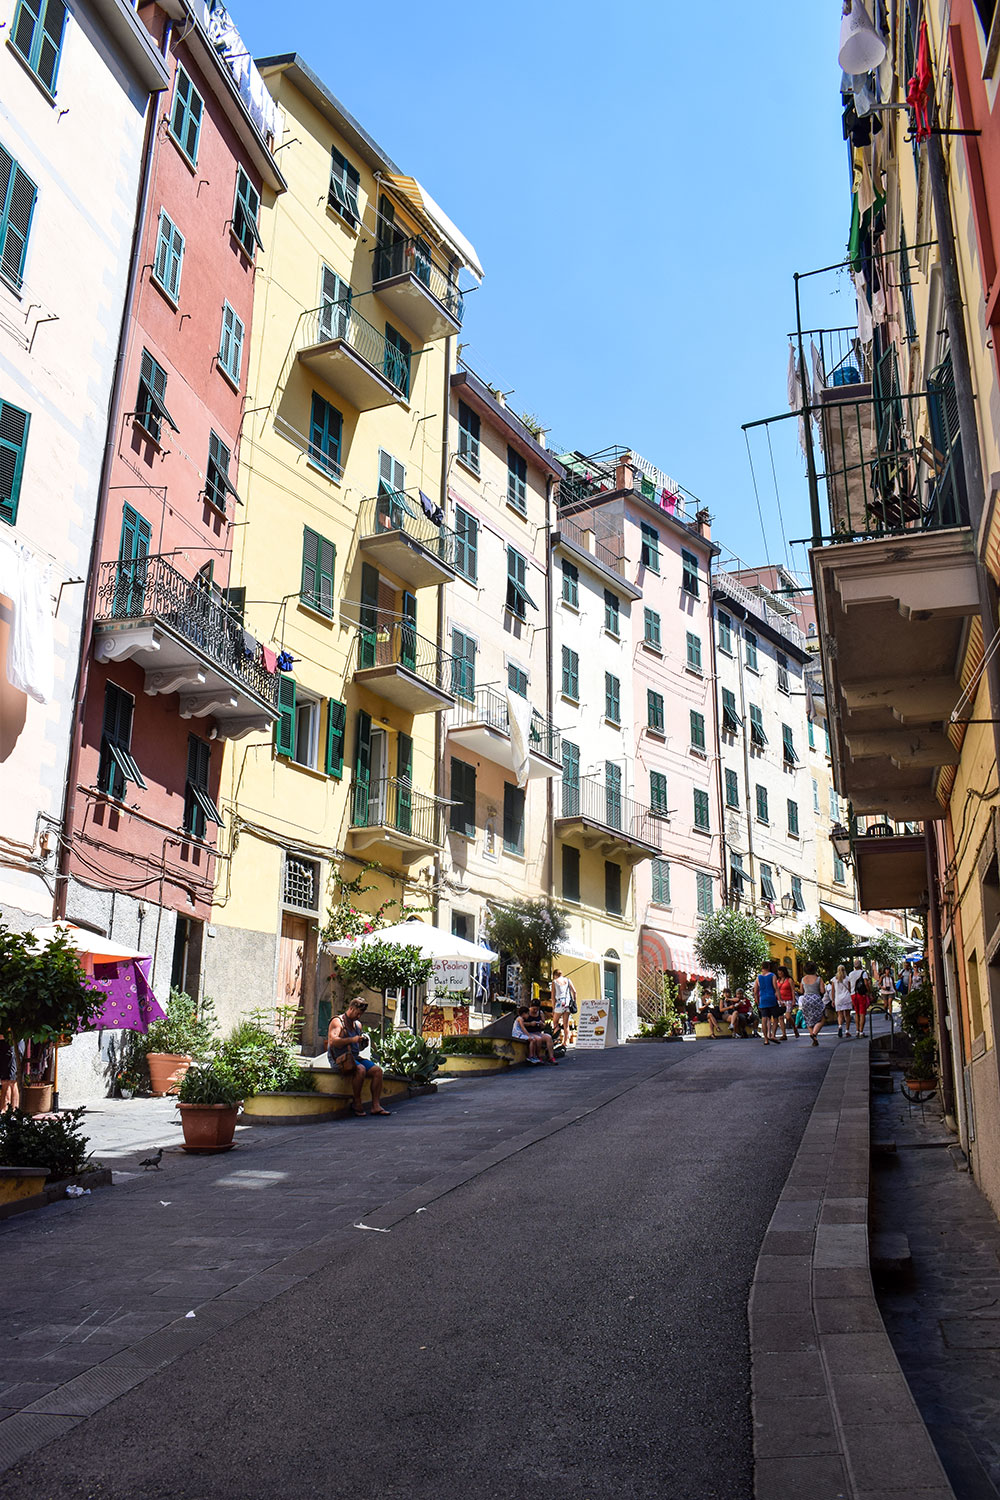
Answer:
(336, 722)
(693, 652)
(570, 673)
(517, 481)
(689, 573)
(650, 555)
(284, 729)
(800, 904)
(788, 745)
(466, 544)
(518, 597)
(468, 436)
(651, 627)
(318, 563)
(702, 816)
(17, 205)
(362, 768)
(732, 789)
(231, 343)
(169, 256)
(326, 426)
(612, 698)
(37, 34)
(570, 779)
(762, 811)
(661, 882)
(697, 730)
(218, 485)
(571, 584)
(725, 633)
(570, 873)
(345, 181)
(462, 815)
(793, 818)
(612, 888)
(657, 792)
(404, 783)
(185, 115)
(463, 665)
(750, 641)
(513, 818)
(199, 806)
(654, 711)
(612, 613)
(396, 367)
(704, 885)
(757, 735)
(14, 425)
(117, 765)
(246, 211)
(150, 402)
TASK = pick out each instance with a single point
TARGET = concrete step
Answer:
(883, 1148)
(882, 1083)
(889, 1253)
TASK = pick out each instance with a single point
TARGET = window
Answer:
(767, 891)
(326, 427)
(218, 485)
(834, 806)
(334, 305)
(612, 698)
(689, 573)
(513, 818)
(199, 808)
(697, 730)
(725, 633)
(737, 874)
(517, 680)
(693, 653)
(788, 745)
(150, 410)
(702, 817)
(731, 721)
(661, 882)
(246, 210)
(654, 711)
(757, 735)
(518, 597)
(306, 748)
(14, 425)
(17, 204)
(570, 673)
(231, 344)
(651, 627)
(301, 889)
(612, 616)
(800, 904)
(462, 818)
(318, 559)
(468, 437)
(336, 723)
(839, 873)
(612, 794)
(466, 544)
(732, 789)
(750, 642)
(658, 793)
(704, 886)
(815, 795)
(117, 767)
(396, 363)
(812, 735)
(612, 888)
(793, 819)
(517, 481)
(345, 181)
(37, 34)
(392, 482)
(570, 779)
(169, 256)
(570, 584)
(650, 547)
(185, 116)
(782, 660)
(826, 738)
(463, 665)
(762, 816)
(570, 873)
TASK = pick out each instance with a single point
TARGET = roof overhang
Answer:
(137, 46)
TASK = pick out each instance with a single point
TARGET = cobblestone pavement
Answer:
(945, 1324)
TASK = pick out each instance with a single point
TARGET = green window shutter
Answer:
(800, 905)
(570, 873)
(38, 35)
(697, 730)
(336, 723)
(767, 890)
(661, 882)
(246, 210)
(326, 427)
(732, 789)
(570, 779)
(612, 888)
(613, 793)
(396, 366)
(570, 673)
(284, 729)
(513, 818)
(650, 555)
(702, 816)
(404, 757)
(466, 544)
(658, 792)
(362, 768)
(612, 698)
(651, 627)
(704, 885)
(185, 116)
(310, 567)
(327, 564)
(751, 650)
(517, 481)
(689, 573)
(217, 482)
(231, 344)
(693, 652)
(404, 780)
(468, 436)
(463, 665)
(344, 184)
(571, 584)
(17, 205)
(762, 804)
(612, 613)
(654, 711)
(14, 425)
(725, 633)
(788, 744)
(368, 615)
(793, 818)
(408, 631)
(462, 814)
(517, 680)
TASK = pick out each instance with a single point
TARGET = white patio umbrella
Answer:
(433, 942)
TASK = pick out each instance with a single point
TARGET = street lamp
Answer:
(787, 904)
(840, 838)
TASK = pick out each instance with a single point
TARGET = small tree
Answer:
(733, 941)
(825, 944)
(386, 966)
(44, 993)
(532, 930)
(887, 951)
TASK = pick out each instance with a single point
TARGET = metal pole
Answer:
(814, 515)
(934, 924)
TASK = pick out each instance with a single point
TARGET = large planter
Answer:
(166, 1069)
(36, 1098)
(472, 1064)
(920, 1085)
(208, 1127)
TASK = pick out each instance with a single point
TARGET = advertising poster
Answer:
(595, 1026)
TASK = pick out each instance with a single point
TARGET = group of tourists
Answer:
(778, 1003)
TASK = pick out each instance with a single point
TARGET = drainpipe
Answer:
(746, 774)
(550, 822)
(439, 730)
(93, 575)
(717, 744)
(934, 944)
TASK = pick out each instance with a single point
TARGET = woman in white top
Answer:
(842, 1002)
(887, 989)
(563, 996)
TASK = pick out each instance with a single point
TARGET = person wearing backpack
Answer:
(860, 995)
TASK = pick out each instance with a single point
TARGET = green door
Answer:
(369, 615)
(404, 777)
(613, 794)
(612, 983)
(408, 632)
(133, 550)
(362, 769)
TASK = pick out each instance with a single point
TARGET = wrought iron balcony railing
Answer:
(602, 802)
(151, 588)
(412, 256)
(341, 320)
(395, 510)
(489, 707)
(396, 644)
(395, 806)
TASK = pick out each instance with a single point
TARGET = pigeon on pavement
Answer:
(152, 1161)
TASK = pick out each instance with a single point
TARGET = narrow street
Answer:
(559, 1304)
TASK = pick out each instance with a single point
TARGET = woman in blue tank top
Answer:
(766, 995)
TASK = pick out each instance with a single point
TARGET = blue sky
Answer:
(640, 181)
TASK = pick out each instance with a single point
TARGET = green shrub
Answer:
(662, 1026)
(259, 1062)
(924, 1061)
(188, 1029)
(915, 1009)
(54, 1142)
(468, 1046)
(405, 1055)
(208, 1083)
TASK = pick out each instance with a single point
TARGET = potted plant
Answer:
(184, 1034)
(382, 966)
(44, 992)
(209, 1101)
(37, 1088)
(920, 1073)
(531, 931)
(405, 1055)
(916, 1011)
(732, 941)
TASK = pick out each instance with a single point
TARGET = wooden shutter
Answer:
(404, 776)
(327, 560)
(17, 205)
(284, 729)
(336, 722)
(13, 441)
(310, 565)
(369, 615)
(408, 632)
(570, 779)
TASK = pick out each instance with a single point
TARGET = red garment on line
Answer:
(918, 89)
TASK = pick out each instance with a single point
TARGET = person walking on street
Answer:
(563, 1004)
(813, 1001)
(765, 993)
(862, 999)
(887, 990)
(787, 1003)
(842, 1001)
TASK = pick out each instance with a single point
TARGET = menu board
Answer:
(449, 976)
(595, 1026)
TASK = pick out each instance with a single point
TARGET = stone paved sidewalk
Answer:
(945, 1326)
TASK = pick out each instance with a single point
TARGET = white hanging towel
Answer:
(31, 649)
(864, 311)
(519, 719)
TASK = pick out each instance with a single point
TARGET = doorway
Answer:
(296, 969)
(612, 988)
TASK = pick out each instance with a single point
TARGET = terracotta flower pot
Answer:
(166, 1069)
(921, 1085)
(208, 1127)
(36, 1098)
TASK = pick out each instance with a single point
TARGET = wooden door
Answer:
(292, 962)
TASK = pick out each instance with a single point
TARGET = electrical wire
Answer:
(756, 494)
(777, 502)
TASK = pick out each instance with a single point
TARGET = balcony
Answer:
(890, 863)
(593, 479)
(352, 357)
(482, 725)
(389, 813)
(401, 666)
(419, 293)
(603, 819)
(188, 640)
(399, 537)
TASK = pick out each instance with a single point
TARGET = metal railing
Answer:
(489, 706)
(341, 320)
(601, 802)
(395, 510)
(756, 604)
(609, 556)
(152, 588)
(412, 256)
(395, 806)
(395, 643)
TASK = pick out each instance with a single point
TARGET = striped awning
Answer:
(420, 200)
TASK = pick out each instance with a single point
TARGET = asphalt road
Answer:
(569, 1322)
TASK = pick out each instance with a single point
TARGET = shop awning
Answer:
(684, 961)
(859, 927)
(437, 220)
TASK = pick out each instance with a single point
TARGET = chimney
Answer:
(703, 521)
